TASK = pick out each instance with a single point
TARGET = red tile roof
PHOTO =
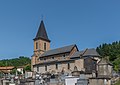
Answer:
(7, 68)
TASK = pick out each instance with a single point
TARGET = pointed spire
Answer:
(42, 34)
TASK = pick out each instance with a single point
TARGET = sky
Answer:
(86, 23)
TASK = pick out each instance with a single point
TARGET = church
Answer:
(63, 59)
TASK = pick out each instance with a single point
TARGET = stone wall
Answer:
(99, 81)
(80, 64)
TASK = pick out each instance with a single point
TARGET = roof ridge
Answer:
(58, 50)
(63, 47)
(84, 51)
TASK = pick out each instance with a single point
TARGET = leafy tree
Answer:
(13, 71)
(27, 68)
(113, 51)
(21, 61)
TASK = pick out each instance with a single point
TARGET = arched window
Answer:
(36, 45)
(56, 66)
(46, 68)
(44, 46)
(68, 65)
(37, 69)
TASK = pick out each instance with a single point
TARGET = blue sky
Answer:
(87, 23)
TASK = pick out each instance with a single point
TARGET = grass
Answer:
(118, 83)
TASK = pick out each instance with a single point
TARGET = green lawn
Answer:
(118, 83)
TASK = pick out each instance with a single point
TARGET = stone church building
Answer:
(62, 59)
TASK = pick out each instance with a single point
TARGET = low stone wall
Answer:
(99, 81)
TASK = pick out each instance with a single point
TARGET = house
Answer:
(20, 69)
(62, 59)
(6, 69)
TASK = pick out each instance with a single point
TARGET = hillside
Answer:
(111, 51)
(21, 61)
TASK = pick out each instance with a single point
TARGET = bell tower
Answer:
(41, 41)
(41, 44)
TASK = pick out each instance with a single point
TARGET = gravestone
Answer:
(82, 80)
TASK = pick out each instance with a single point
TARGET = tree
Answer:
(113, 51)
(27, 68)
(13, 71)
(21, 61)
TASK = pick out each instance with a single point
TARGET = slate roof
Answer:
(87, 52)
(58, 50)
(91, 52)
(77, 54)
(42, 34)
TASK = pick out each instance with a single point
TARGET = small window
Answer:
(44, 58)
(45, 68)
(56, 66)
(37, 69)
(44, 46)
(52, 57)
(41, 58)
(36, 45)
(64, 55)
(68, 65)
